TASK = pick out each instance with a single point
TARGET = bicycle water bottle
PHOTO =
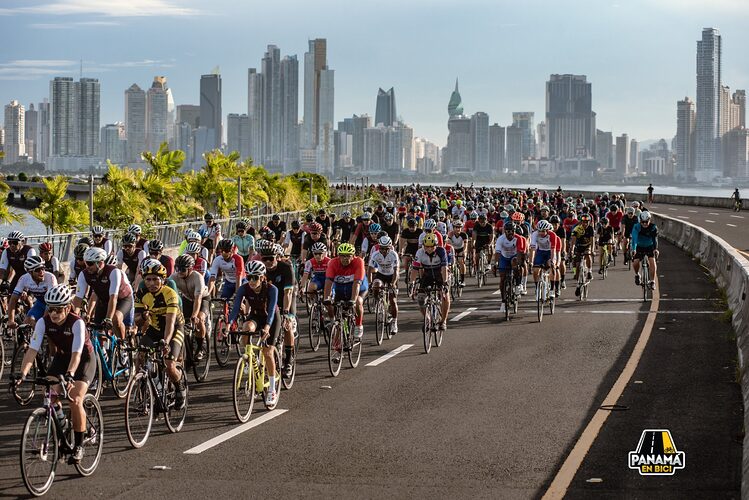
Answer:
(61, 416)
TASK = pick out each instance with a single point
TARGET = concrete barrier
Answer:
(731, 271)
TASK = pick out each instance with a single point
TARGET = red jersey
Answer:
(615, 218)
(340, 274)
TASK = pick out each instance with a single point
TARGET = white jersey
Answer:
(27, 284)
(458, 211)
(213, 232)
(384, 264)
(539, 242)
(507, 248)
(457, 241)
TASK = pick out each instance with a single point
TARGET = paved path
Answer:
(493, 413)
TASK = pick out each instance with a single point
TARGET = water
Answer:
(30, 225)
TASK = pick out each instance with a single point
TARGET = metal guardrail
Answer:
(173, 234)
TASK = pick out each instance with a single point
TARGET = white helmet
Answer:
(193, 236)
(385, 242)
(430, 224)
(33, 262)
(544, 226)
(134, 228)
(194, 247)
(255, 268)
(60, 295)
(95, 254)
(644, 215)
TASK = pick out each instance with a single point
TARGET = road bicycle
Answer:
(544, 295)
(383, 319)
(316, 321)
(628, 257)
(582, 277)
(409, 282)
(288, 381)
(737, 205)
(251, 377)
(511, 296)
(152, 392)
(24, 394)
(47, 438)
(481, 268)
(342, 338)
(605, 253)
(199, 361)
(221, 341)
(647, 291)
(114, 363)
(432, 317)
(456, 291)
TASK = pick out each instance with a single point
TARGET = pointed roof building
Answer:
(453, 107)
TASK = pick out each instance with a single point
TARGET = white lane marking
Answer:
(732, 225)
(636, 300)
(234, 432)
(682, 217)
(713, 213)
(674, 209)
(710, 221)
(497, 292)
(464, 314)
(737, 216)
(389, 355)
(692, 211)
(641, 312)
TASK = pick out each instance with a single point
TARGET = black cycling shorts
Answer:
(392, 279)
(205, 307)
(275, 327)
(153, 336)
(85, 372)
(642, 252)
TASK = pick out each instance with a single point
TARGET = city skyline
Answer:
(363, 67)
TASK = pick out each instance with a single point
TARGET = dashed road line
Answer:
(737, 216)
(464, 314)
(710, 221)
(731, 225)
(692, 211)
(682, 217)
(234, 432)
(674, 209)
(389, 355)
(713, 213)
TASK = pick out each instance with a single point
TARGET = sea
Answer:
(32, 227)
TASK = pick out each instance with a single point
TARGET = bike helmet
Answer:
(430, 240)
(255, 268)
(614, 207)
(88, 241)
(366, 216)
(265, 247)
(241, 225)
(208, 216)
(16, 236)
(296, 224)
(309, 218)
(278, 250)
(315, 228)
(194, 236)
(554, 219)
(155, 246)
(319, 247)
(97, 231)
(429, 224)
(375, 228)
(545, 208)
(128, 239)
(94, 254)
(194, 247)
(33, 262)
(644, 216)
(635, 204)
(442, 228)
(225, 245)
(80, 250)
(411, 221)
(346, 249)
(45, 247)
(510, 228)
(482, 216)
(458, 224)
(544, 226)
(630, 210)
(184, 262)
(152, 267)
(389, 217)
(346, 214)
(275, 217)
(503, 214)
(385, 242)
(135, 229)
(473, 216)
(111, 260)
(57, 296)
(585, 218)
(518, 217)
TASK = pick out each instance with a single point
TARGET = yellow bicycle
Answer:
(251, 378)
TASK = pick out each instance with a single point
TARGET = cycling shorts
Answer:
(643, 251)
(275, 327)
(85, 372)
(505, 263)
(318, 280)
(343, 291)
(153, 336)
(125, 306)
(385, 278)
(541, 258)
(37, 310)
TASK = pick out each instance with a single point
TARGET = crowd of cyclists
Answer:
(432, 237)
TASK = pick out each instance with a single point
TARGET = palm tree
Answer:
(119, 201)
(55, 211)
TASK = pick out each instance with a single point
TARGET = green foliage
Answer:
(120, 202)
(58, 213)
(23, 177)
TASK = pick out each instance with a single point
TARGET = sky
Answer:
(639, 55)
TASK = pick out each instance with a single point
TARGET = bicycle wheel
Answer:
(221, 341)
(277, 359)
(93, 440)
(354, 354)
(98, 382)
(200, 367)
(437, 316)
(427, 328)
(288, 382)
(243, 389)
(2, 355)
(380, 318)
(335, 349)
(314, 327)
(123, 373)
(39, 450)
(175, 418)
(540, 301)
(24, 393)
(139, 410)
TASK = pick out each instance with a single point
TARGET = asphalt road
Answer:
(492, 413)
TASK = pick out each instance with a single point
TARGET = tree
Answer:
(161, 183)
(23, 177)
(119, 201)
(58, 213)
(7, 216)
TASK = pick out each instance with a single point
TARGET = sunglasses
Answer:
(128, 246)
(90, 263)
(268, 259)
(98, 236)
(56, 310)
(183, 269)
(240, 230)
(253, 278)
(14, 243)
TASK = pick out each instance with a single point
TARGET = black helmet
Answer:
(295, 224)
(554, 219)
(128, 239)
(309, 217)
(242, 225)
(155, 246)
(225, 245)
(79, 250)
(275, 217)
(87, 241)
(184, 262)
(266, 247)
(208, 216)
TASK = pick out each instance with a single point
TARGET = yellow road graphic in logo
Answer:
(656, 454)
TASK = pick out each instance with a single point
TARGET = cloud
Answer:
(34, 69)
(30, 63)
(145, 63)
(69, 26)
(110, 8)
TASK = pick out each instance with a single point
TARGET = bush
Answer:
(23, 177)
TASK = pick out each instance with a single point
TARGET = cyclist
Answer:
(347, 279)
(371, 240)
(51, 263)
(158, 311)
(131, 258)
(736, 197)
(194, 237)
(384, 266)
(482, 238)
(628, 222)
(73, 358)
(606, 241)
(615, 217)
(344, 227)
(315, 268)
(77, 264)
(194, 250)
(509, 253)
(244, 242)
(35, 281)
(562, 235)
(13, 258)
(262, 299)
(196, 302)
(211, 234)
(155, 249)
(409, 242)
(140, 242)
(315, 235)
(458, 239)
(281, 274)
(645, 243)
(230, 265)
(278, 227)
(582, 241)
(324, 221)
(430, 227)
(100, 240)
(391, 227)
(112, 293)
(430, 266)
(294, 241)
(544, 244)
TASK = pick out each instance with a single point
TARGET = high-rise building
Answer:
(480, 143)
(725, 110)
(739, 101)
(271, 117)
(623, 155)
(210, 111)
(157, 114)
(113, 143)
(524, 121)
(604, 149)
(685, 140)
(634, 153)
(542, 140)
(43, 136)
(88, 92)
(135, 123)
(385, 110)
(31, 132)
(188, 113)
(64, 117)
(427, 156)
(171, 117)
(15, 133)
(290, 113)
(325, 147)
(496, 149)
(355, 127)
(570, 118)
(375, 149)
(255, 113)
(183, 141)
(315, 61)
(514, 148)
(707, 134)
(454, 107)
(736, 153)
(459, 149)
(238, 134)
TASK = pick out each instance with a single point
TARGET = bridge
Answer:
(76, 190)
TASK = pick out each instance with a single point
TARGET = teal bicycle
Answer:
(114, 361)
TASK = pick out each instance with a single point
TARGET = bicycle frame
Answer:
(106, 356)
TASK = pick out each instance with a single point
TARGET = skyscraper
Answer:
(622, 155)
(88, 93)
(188, 113)
(385, 110)
(524, 121)
(43, 137)
(496, 149)
(237, 134)
(480, 143)
(135, 123)
(454, 107)
(64, 120)
(685, 140)
(514, 148)
(570, 119)
(290, 113)
(15, 133)
(605, 149)
(634, 153)
(739, 101)
(210, 111)
(459, 149)
(542, 140)
(325, 146)
(271, 118)
(31, 132)
(707, 146)
(113, 142)
(157, 114)
(315, 60)
(355, 127)
(255, 113)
